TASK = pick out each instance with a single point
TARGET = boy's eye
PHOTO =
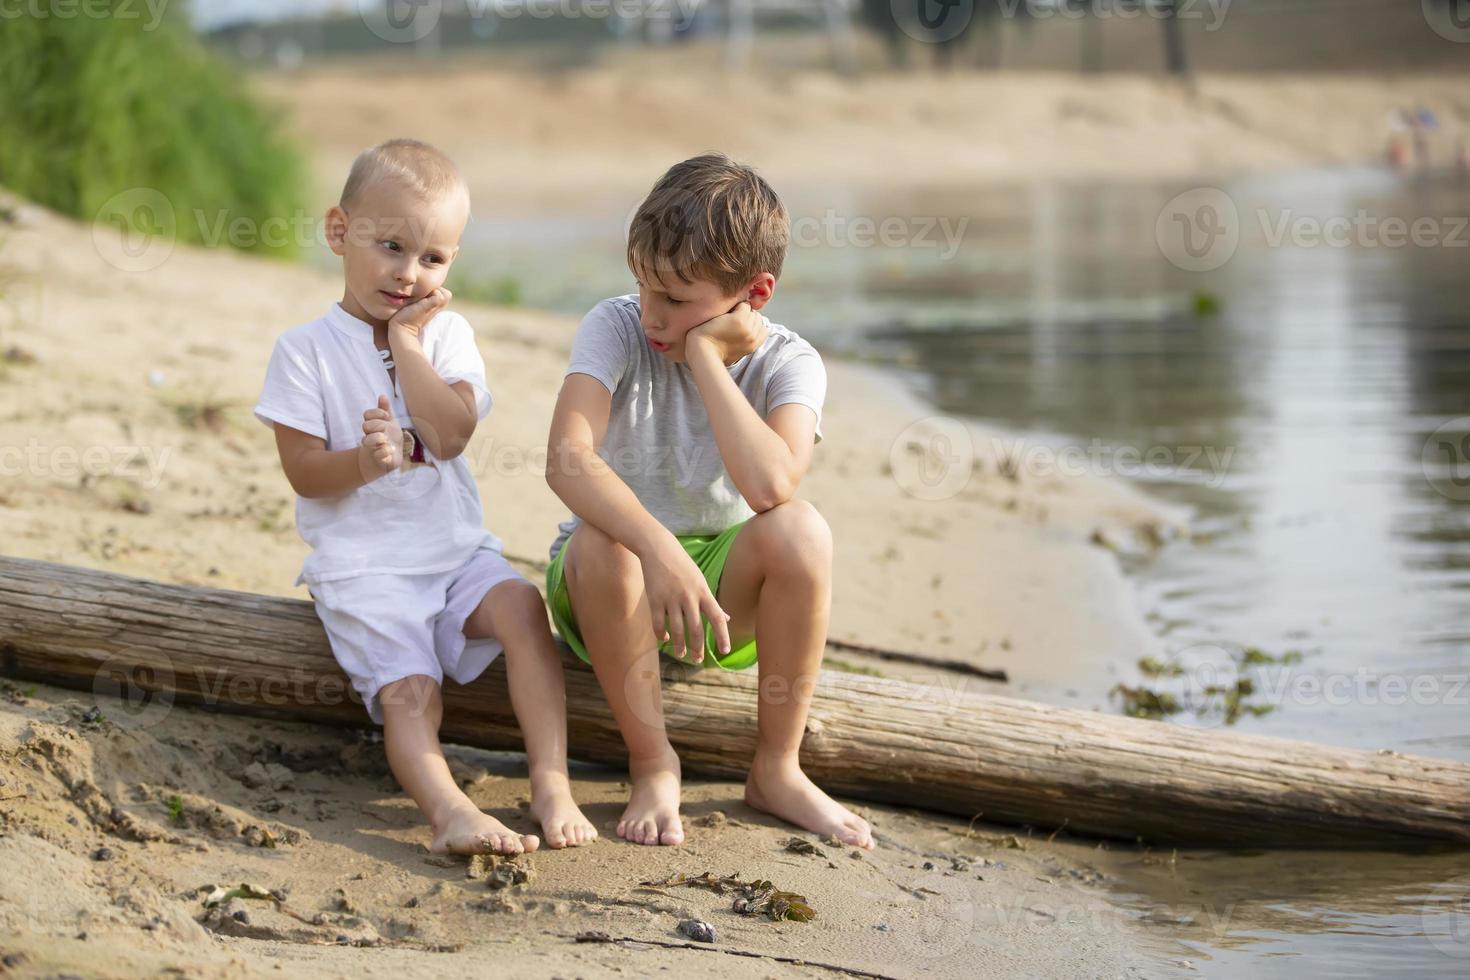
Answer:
(391, 246)
(433, 259)
(674, 302)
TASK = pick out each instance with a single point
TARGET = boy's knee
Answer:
(515, 594)
(518, 604)
(597, 559)
(794, 536)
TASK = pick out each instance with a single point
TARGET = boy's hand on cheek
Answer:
(731, 335)
(408, 322)
(382, 441)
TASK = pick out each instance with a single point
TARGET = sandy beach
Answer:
(144, 459)
(131, 447)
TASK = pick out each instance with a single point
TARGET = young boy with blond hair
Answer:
(372, 406)
(684, 426)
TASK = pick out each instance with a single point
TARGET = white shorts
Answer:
(384, 628)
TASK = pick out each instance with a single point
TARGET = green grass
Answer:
(95, 107)
(491, 290)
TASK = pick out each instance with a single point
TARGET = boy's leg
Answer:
(412, 712)
(514, 613)
(605, 582)
(777, 584)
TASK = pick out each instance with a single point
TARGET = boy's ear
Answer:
(336, 229)
(759, 292)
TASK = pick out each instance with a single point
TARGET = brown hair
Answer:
(428, 170)
(709, 218)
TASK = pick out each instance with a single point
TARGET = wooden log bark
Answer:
(936, 746)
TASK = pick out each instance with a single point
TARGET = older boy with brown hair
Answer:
(684, 426)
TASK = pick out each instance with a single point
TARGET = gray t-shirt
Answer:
(658, 433)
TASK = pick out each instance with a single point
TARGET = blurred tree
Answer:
(106, 103)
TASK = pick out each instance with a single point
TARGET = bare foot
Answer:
(652, 816)
(469, 830)
(781, 789)
(561, 819)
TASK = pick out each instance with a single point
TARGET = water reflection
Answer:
(1278, 914)
(1317, 383)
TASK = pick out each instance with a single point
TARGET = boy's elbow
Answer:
(306, 489)
(771, 494)
(298, 482)
(553, 470)
(564, 461)
(447, 445)
(449, 449)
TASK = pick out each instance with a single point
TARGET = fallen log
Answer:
(935, 746)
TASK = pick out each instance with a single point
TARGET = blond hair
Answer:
(709, 218)
(426, 169)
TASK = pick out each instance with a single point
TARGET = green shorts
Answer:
(709, 552)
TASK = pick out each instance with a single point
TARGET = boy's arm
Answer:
(767, 458)
(443, 414)
(676, 589)
(314, 471)
(582, 479)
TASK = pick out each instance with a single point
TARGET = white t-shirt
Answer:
(658, 436)
(322, 376)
